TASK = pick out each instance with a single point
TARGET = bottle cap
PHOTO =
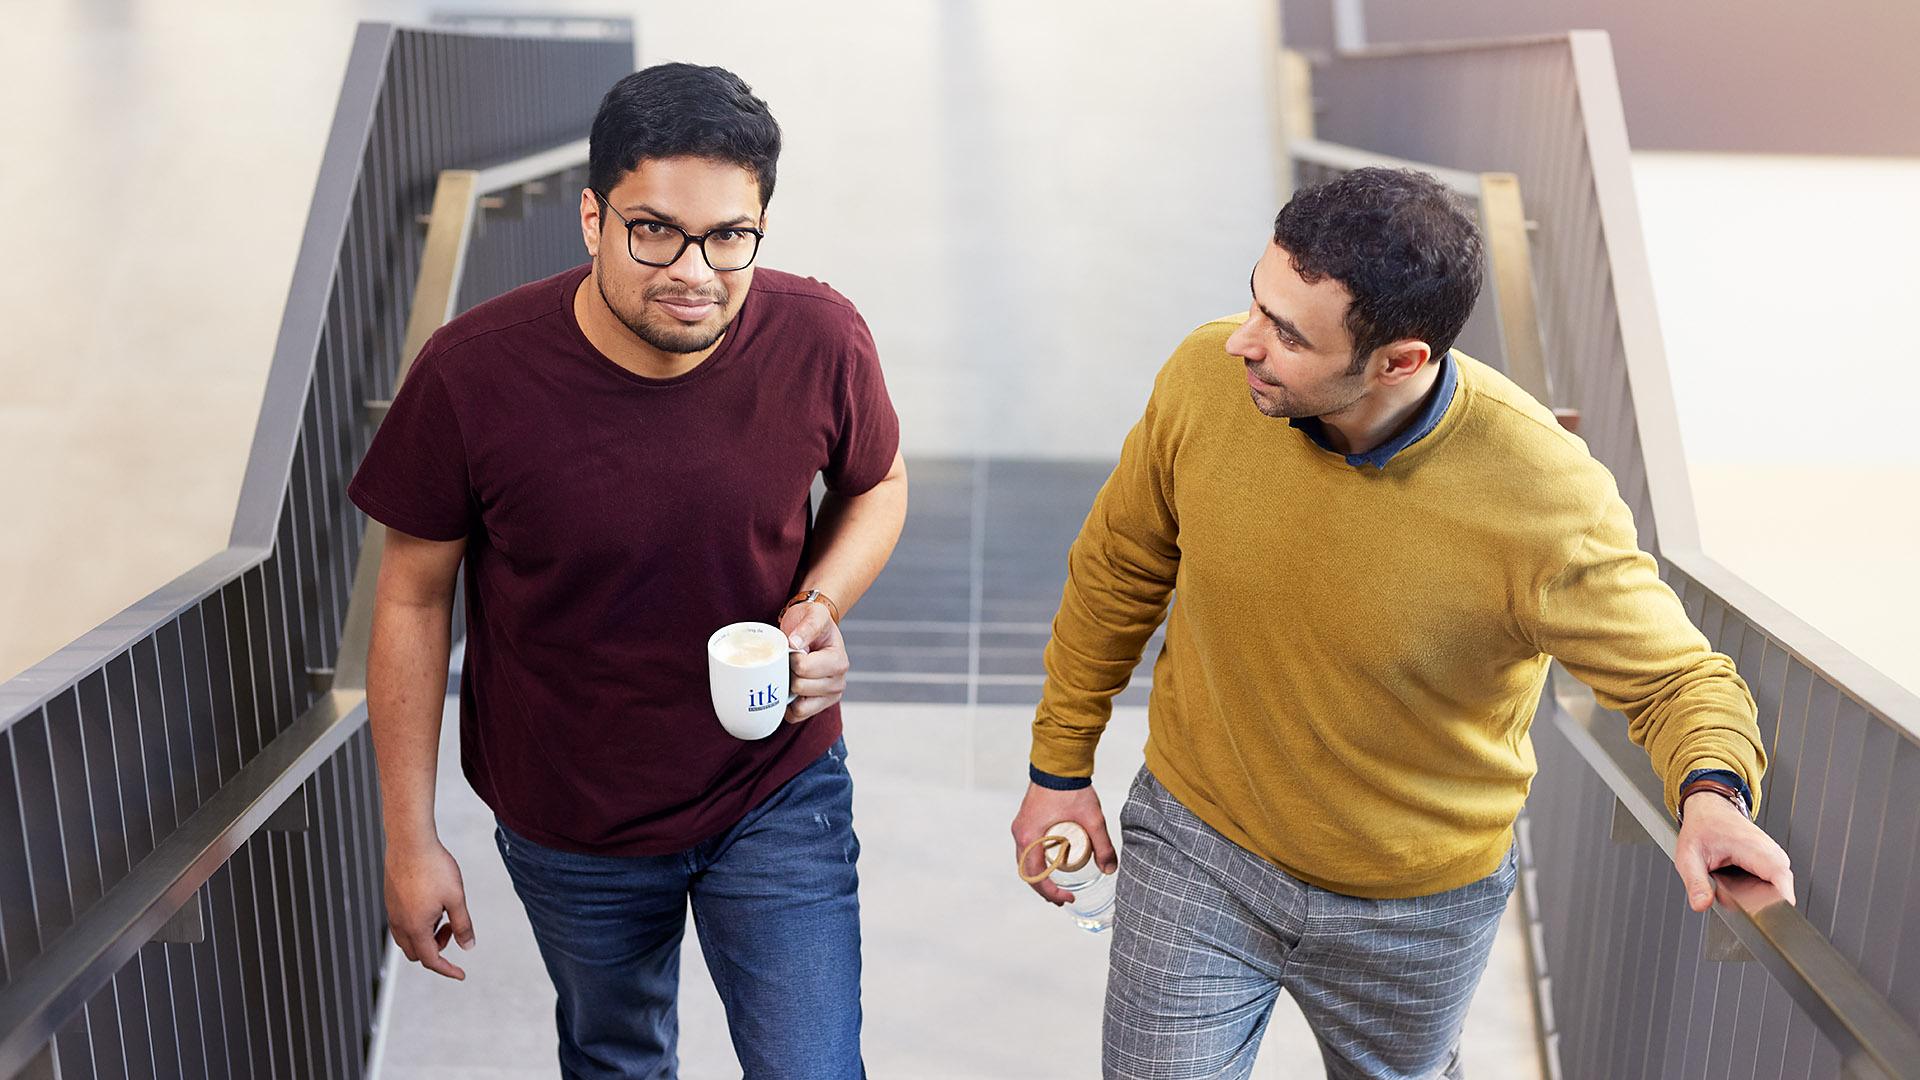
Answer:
(1079, 845)
(1065, 847)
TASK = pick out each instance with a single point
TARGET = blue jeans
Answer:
(775, 905)
(1207, 934)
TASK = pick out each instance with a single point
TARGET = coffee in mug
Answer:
(748, 674)
(742, 648)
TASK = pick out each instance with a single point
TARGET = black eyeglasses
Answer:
(656, 243)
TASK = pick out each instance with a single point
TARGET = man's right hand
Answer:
(1044, 807)
(423, 884)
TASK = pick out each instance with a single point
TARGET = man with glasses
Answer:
(623, 455)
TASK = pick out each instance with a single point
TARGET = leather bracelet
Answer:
(815, 596)
(1725, 791)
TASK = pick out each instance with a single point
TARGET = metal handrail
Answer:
(61, 980)
(1874, 1040)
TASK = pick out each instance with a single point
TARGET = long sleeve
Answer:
(1120, 574)
(1618, 628)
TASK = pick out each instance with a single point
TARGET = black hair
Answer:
(682, 110)
(1401, 244)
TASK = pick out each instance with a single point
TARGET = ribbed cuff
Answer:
(1057, 783)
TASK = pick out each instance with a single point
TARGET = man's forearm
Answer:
(406, 692)
(855, 537)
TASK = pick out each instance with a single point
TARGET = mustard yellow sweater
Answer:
(1356, 653)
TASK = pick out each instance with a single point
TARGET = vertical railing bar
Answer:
(106, 1039)
(224, 895)
(301, 612)
(297, 1019)
(16, 888)
(1584, 949)
(290, 695)
(269, 1048)
(359, 864)
(96, 734)
(1651, 1022)
(196, 695)
(138, 984)
(337, 861)
(333, 946)
(49, 880)
(260, 654)
(1816, 758)
(172, 674)
(380, 174)
(1789, 741)
(141, 698)
(239, 669)
(315, 938)
(326, 450)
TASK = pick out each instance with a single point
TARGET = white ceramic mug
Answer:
(750, 677)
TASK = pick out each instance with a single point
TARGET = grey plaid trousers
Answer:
(1207, 934)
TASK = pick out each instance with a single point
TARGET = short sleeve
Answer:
(867, 432)
(414, 478)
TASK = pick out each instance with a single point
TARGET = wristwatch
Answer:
(815, 596)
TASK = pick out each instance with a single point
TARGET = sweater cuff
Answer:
(1726, 776)
(1057, 783)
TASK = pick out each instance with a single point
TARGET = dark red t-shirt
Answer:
(613, 522)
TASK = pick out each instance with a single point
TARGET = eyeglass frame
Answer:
(687, 239)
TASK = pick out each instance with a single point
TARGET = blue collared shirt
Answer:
(1418, 428)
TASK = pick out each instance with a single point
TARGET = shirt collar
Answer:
(1418, 428)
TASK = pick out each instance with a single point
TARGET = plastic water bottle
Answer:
(1092, 888)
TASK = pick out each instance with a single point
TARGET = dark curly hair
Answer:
(1400, 243)
(682, 110)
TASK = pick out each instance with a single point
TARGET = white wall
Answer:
(1785, 286)
(1031, 203)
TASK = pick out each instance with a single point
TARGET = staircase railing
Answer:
(190, 851)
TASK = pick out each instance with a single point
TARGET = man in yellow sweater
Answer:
(1377, 544)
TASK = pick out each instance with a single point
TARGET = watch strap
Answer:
(815, 596)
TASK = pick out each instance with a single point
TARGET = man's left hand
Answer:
(1715, 834)
(820, 673)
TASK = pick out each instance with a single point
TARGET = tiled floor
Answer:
(961, 614)
(960, 957)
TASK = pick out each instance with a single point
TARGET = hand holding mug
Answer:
(819, 663)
